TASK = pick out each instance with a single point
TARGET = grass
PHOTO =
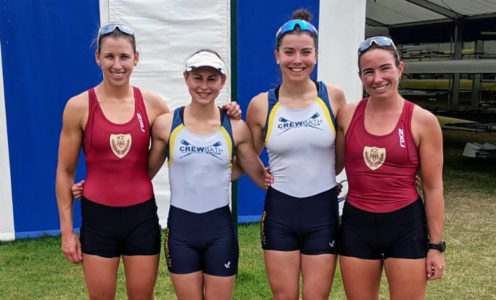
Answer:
(36, 268)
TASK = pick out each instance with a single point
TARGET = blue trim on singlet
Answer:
(178, 119)
(273, 99)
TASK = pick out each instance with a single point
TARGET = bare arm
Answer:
(160, 137)
(255, 119)
(428, 130)
(247, 158)
(71, 138)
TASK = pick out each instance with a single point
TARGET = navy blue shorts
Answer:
(204, 242)
(398, 234)
(307, 224)
(109, 231)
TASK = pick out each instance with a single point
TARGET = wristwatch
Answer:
(440, 247)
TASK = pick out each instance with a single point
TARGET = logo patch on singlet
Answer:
(312, 122)
(120, 144)
(402, 137)
(374, 157)
(188, 148)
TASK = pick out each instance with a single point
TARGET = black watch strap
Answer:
(440, 247)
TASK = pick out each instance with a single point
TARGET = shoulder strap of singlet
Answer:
(322, 93)
(177, 121)
(272, 99)
(226, 129)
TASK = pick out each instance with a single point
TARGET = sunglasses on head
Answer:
(108, 29)
(291, 26)
(380, 41)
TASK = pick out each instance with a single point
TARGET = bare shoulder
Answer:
(257, 109)
(162, 126)
(240, 130)
(259, 100)
(335, 92)
(76, 109)
(424, 119)
(154, 103)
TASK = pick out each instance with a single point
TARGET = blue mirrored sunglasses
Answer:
(291, 25)
(108, 29)
(381, 41)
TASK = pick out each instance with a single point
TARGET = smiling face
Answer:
(117, 59)
(296, 56)
(379, 73)
(204, 84)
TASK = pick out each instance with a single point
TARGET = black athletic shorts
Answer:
(109, 231)
(307, 224)
(398, 234)
(204, 242)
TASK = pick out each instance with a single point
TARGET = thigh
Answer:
(406, 278)
(218, 287)
(318, 274)
(188, 286)
(141, 275)
(283, 271)
(100, 274)
(361, 277)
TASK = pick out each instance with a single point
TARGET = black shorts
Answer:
(204, 242)
(398, 234)
(307, 224)
(109, 231)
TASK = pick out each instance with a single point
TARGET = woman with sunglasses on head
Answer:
(295, 122)
(112, 123)
(385, 224)
(201, 246)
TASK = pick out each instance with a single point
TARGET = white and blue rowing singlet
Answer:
(300, 144)
(199, 166)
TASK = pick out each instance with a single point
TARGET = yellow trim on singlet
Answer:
(229, 144)
(273, 112)
(172, 141)
(327, 114)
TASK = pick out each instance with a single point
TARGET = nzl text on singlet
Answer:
(199, 166)
(300, 144)
(117, 156)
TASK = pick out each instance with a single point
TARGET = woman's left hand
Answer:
(434, 264)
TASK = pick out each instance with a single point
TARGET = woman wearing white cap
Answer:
(201, 246)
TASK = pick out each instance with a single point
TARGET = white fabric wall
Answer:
(341, 30)
(167, 32)
(6, 210)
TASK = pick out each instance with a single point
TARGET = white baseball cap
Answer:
(205, 59)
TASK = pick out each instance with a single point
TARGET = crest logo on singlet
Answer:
(120, 144)
(312, 122)
(188, 148)
(374, 157)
